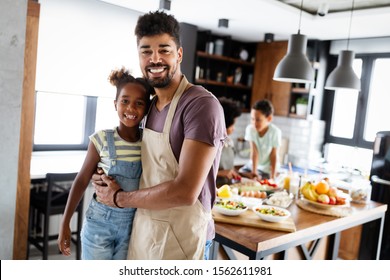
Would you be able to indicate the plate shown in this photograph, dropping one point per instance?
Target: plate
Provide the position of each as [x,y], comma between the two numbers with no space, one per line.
[269,216]
[229,212]
[325,206]
[251,201]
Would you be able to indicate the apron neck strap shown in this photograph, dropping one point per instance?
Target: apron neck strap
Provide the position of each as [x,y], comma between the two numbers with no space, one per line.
[172,107]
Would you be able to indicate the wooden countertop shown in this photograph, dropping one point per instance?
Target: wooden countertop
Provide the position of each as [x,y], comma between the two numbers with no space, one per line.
[309,227]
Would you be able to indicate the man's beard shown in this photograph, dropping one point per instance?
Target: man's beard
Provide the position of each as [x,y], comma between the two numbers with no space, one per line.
[161,82]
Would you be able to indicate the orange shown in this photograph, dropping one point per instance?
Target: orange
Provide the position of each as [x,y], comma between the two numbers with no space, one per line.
[322,187]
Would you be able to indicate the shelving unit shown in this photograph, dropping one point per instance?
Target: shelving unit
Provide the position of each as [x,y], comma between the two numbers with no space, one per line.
[222,71]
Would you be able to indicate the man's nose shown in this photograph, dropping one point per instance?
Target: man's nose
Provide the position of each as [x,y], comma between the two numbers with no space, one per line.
[155,58]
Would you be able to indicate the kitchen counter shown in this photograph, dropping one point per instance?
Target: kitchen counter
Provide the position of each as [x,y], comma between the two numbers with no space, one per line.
[260,243]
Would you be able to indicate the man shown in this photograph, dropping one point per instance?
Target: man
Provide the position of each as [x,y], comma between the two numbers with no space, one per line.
[181,145]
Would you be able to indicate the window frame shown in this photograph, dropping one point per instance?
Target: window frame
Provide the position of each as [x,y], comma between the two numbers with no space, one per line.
[361,111]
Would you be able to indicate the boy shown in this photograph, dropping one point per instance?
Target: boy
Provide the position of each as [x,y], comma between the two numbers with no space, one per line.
[265,140]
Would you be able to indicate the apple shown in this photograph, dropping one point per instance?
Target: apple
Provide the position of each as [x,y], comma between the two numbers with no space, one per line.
[323,198]
[332,200]
[332,192]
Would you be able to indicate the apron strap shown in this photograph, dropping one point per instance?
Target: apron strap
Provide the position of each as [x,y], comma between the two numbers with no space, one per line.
[172,107]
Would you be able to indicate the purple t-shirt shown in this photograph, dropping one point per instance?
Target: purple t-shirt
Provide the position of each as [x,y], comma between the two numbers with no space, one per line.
[198,116]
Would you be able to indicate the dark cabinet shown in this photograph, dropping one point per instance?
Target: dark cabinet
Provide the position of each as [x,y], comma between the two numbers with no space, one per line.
[225,67]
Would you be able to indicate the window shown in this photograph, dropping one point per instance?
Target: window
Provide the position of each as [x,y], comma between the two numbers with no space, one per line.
[63,121]
[75,57]
[354,117]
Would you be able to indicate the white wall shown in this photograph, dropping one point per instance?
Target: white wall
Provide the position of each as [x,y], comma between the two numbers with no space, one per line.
[12,44]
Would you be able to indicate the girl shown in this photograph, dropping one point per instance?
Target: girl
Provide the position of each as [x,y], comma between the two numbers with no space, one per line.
[106,230]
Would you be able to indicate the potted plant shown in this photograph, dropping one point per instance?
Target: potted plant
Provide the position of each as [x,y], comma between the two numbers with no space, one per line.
[301,105]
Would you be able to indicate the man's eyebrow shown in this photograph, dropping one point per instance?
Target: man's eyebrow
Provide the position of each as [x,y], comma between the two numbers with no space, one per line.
[160,46]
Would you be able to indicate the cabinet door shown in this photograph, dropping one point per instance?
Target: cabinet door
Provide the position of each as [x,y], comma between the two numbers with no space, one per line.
[268,56]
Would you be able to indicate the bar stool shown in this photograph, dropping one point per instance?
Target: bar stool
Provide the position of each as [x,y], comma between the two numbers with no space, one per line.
[47,202]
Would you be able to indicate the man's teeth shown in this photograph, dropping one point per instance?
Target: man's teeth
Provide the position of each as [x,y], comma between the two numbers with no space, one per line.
[156,70]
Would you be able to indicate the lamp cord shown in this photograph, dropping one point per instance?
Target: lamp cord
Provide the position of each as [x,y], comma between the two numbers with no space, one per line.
[350,24]
[300,18]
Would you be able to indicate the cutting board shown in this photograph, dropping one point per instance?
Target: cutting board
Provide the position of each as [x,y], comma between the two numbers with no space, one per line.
[248,218]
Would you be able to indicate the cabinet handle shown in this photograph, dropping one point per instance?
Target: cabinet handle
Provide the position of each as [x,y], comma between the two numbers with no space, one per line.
[378,180]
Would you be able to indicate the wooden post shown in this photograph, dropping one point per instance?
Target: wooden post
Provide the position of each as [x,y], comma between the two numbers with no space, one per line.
[26,132]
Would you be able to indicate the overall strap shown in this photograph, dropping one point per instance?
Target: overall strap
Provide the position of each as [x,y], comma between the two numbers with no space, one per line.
[111,144]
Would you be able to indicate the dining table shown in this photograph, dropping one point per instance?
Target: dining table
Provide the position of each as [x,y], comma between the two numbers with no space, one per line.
[260,243]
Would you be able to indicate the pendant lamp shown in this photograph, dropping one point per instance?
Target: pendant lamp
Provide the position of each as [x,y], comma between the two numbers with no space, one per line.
[343,76]
[295,67]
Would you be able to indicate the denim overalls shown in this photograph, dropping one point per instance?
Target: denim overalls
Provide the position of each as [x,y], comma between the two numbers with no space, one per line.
[106,230]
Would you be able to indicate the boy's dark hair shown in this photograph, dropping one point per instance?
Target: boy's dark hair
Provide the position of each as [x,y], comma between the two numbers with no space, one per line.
[157,23]
[264,106]
[121,77]
[231,110]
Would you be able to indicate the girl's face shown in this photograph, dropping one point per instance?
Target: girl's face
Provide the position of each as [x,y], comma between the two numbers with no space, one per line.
[259,120]
[131,104]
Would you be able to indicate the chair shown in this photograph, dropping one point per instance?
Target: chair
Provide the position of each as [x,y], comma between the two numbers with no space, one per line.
[47,201]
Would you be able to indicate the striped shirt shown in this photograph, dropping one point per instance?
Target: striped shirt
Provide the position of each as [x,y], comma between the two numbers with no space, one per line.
[125,151]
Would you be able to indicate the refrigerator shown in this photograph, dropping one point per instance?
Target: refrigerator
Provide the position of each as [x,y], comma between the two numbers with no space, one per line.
[380,182]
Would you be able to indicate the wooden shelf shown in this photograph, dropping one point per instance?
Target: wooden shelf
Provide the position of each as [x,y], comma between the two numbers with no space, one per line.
[295,116]
[300,90]
[224,58]
[221,84]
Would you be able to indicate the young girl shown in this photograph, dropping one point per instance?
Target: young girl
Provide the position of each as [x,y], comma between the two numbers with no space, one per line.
[106,230]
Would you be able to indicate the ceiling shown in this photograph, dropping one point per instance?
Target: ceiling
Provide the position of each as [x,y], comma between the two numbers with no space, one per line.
[249,20]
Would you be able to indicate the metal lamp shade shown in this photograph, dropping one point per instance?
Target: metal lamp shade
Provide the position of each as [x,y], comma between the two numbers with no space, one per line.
[343,76]
[295,67]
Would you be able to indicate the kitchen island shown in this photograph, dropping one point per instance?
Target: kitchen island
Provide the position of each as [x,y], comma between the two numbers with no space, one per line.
[258,243]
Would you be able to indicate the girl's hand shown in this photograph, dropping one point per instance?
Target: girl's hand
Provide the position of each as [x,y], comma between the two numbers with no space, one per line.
[64,239]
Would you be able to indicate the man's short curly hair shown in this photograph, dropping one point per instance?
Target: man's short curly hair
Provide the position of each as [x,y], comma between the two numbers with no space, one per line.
[157,23]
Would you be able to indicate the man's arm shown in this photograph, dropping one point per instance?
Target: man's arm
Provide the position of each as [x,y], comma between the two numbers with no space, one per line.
[196,159]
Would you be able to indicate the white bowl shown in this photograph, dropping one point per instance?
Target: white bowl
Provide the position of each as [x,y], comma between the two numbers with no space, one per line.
[251,201]
[229,212]
[271,217]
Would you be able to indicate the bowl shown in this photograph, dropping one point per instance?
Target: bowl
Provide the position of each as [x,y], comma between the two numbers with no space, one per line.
[251,201]
[230,207]
[271,214]
[280,199]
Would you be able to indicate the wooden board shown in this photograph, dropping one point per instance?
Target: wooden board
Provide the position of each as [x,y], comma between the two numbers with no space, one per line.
[250,219]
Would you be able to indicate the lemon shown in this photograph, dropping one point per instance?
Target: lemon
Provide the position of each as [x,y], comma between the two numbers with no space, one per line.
[224,191]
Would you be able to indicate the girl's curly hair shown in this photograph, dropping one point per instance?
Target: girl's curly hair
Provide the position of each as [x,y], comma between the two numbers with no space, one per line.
[120,77]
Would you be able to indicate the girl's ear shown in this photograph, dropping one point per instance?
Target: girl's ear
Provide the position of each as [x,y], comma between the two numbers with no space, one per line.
[115,105]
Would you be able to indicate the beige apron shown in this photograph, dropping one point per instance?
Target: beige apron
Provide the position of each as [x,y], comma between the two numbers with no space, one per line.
[173,234]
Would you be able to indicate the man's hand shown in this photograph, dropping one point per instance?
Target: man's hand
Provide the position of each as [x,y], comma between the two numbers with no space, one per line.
[97,178]
[105,192]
